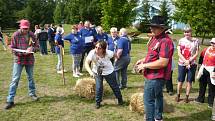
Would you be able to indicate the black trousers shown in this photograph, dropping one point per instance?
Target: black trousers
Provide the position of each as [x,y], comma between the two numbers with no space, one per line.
[169,85]
[86,51]
[203,82]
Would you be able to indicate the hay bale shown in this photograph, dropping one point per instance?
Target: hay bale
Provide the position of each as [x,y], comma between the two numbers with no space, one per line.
[136,103]
[85,88]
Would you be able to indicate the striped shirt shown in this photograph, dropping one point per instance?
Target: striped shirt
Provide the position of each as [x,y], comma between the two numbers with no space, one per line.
[20,41]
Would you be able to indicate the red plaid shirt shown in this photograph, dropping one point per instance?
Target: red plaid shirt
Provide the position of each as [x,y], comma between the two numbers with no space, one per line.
[20,41]
[159,46]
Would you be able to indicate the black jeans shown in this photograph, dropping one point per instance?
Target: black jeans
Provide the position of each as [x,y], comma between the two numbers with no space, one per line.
[203,82]
[169,85]
[86,51]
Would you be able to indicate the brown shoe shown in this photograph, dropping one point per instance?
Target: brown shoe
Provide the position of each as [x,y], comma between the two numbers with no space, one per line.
[177,99]
[186,99]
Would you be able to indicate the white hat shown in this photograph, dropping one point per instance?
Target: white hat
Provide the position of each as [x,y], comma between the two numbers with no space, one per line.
[213,40]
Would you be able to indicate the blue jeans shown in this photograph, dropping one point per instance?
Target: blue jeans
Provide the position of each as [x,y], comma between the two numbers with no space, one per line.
[153,99]
[17,70]
[120,68]
[111,80]
[59,63]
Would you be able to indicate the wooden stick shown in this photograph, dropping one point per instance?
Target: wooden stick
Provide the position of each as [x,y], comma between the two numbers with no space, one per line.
[62,53]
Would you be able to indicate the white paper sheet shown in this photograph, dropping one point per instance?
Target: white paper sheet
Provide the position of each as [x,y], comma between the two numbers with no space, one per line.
[88,39]
[23,51]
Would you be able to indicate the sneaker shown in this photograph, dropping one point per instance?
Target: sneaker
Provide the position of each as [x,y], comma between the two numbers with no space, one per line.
[75,75]
[170,93]
[64,70]
[213,118]
[59,72]
[9,105]
[197,101]
[34,98]
[80,74]
[98,105]
[210,105]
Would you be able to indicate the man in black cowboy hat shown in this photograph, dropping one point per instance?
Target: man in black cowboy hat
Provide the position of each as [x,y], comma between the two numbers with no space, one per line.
[156,68]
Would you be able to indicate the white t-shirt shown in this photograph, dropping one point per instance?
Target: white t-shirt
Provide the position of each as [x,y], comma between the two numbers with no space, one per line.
[188,49]
[104,63]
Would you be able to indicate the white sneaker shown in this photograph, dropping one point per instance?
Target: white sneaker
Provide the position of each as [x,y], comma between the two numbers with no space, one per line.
[59,72]
[75,75]
[80,74]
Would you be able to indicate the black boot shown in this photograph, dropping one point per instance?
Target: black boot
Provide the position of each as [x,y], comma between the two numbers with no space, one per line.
[120,101]
[98,105]
[9,105]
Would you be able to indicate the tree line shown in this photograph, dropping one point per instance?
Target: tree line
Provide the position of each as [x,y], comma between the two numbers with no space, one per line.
[119,13]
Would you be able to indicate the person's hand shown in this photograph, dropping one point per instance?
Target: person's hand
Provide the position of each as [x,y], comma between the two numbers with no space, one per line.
[187,62]
[92,74]
[140,67]
[213,75]
[60,46]
[29,49]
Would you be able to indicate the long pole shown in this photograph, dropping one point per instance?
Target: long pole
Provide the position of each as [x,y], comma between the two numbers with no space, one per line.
[62,54]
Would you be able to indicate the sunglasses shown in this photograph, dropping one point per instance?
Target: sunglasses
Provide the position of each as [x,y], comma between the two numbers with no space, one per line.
[213,43]
[98,47]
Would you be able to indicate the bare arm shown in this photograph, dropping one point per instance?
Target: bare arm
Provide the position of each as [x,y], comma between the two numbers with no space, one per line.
[119,53]
[87,66]
[160,63]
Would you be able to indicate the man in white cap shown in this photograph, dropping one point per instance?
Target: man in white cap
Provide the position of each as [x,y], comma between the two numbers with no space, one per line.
[23,44]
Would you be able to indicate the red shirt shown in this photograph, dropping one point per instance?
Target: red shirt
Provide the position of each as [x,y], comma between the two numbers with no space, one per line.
[20,41]
[159,46]
[209,56]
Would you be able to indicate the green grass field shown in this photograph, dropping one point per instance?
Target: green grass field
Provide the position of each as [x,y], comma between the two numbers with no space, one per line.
[60,103]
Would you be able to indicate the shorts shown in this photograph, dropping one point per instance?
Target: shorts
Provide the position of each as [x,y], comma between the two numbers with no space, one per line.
[183,71]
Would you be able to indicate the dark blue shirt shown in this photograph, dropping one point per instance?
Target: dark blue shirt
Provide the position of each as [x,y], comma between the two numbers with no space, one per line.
[87,33]
[124,43]
[100,37]
[58,38]
[76,43]
[112,42]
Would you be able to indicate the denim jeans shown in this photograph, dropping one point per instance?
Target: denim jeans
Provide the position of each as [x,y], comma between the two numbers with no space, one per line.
[59,63]
[111,80]
[17,70]
[153,99]
[120,68]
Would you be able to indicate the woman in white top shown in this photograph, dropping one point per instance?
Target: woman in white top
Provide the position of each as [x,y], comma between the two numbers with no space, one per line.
[102,68]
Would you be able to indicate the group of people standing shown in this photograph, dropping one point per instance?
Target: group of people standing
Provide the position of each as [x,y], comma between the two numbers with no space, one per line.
[109,56]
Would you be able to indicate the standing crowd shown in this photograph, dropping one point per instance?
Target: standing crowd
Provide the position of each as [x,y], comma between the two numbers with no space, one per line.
[108,57]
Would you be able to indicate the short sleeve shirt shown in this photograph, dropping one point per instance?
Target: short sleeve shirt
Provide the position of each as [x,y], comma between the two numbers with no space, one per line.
[188,48]
[209,57]
[159,46]
[105,63]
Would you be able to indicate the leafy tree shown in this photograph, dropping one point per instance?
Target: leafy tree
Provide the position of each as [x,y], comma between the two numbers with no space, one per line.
[200,15]
[118,13]
[144,14]
[165,12]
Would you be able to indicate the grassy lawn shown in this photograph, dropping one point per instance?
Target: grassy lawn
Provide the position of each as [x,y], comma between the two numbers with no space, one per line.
[60,103]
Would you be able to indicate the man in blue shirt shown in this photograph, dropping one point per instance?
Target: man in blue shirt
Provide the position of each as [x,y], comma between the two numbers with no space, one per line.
[122,59]
[87,34]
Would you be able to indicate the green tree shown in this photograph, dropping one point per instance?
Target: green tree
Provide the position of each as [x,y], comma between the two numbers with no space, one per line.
[118,13]
[144,14]
[200,15]
[165,11]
